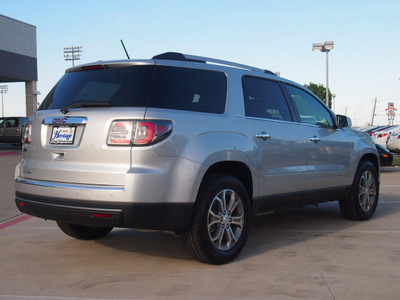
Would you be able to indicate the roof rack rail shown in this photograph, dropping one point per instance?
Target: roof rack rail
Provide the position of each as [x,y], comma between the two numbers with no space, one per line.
[200,59]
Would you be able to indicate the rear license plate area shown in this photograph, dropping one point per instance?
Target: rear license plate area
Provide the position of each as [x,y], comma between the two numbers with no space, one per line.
[64,135]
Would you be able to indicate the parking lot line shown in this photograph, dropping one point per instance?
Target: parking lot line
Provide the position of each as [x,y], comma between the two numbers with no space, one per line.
[8,153]
[15,221]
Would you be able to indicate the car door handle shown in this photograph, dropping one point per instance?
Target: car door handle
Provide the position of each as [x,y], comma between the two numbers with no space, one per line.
[315,139]
[263,135]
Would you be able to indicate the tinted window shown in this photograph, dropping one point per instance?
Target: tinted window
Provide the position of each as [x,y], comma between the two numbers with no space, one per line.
[12,123]
[119,87]
[167,87]
[311,110]
[189,89]
[1,123]
[264,99]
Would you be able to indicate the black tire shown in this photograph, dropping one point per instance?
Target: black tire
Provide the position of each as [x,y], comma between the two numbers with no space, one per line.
[218,231]
[364,195]
[83,232]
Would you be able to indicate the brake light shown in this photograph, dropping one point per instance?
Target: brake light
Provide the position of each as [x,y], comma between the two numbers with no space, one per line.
[144,133]
[137,133]
[93,68]
[120,133]
[382,135]
[28,133]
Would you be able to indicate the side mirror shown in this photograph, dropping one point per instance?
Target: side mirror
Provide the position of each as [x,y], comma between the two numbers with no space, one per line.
[343,121]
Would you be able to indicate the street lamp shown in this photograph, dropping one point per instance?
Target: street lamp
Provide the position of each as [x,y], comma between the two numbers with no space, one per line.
[72,53]
[3,90]
[326,47]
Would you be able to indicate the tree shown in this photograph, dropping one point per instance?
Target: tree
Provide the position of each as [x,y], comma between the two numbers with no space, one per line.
[320,91]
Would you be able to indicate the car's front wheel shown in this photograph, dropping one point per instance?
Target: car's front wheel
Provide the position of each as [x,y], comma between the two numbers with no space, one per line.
[83,232]
[363,199]
[221,221]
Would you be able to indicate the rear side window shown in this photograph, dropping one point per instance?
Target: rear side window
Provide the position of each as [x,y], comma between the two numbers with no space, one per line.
[265,99]
[141,86]
[189,89]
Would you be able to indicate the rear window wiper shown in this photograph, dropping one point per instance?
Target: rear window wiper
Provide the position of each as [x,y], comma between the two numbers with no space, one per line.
[85,104]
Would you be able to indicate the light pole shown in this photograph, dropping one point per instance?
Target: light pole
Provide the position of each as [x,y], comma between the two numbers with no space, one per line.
[326,47]
[72,53]
[3,90]
[333,103]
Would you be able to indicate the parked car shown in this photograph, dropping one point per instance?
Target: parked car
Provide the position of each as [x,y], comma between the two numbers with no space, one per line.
[12,129]
[393,142]
[385,156]
[371,132]
[381,136]
[189,144]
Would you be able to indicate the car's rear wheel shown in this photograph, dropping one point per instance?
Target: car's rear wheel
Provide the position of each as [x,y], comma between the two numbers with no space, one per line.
[83,232]
[363,199]
[221,221]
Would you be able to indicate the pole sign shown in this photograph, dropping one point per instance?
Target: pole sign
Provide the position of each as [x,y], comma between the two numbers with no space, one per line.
[391,112]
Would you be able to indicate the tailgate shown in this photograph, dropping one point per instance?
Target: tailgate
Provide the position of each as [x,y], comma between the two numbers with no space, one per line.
[73,148]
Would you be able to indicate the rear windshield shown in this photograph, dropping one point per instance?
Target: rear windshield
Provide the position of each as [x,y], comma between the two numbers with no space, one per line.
[142,86]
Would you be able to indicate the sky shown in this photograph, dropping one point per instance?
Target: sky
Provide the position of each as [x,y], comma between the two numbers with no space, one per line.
[275,35]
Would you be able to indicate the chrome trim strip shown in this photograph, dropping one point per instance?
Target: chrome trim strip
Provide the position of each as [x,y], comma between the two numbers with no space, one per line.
[65,120]
[273,120]
[109,188]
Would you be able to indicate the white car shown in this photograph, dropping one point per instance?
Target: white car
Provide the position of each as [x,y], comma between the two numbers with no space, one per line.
[381,136]
[393,143]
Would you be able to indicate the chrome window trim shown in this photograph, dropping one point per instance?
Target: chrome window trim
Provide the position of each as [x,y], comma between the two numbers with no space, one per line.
[273,120]
[108,188]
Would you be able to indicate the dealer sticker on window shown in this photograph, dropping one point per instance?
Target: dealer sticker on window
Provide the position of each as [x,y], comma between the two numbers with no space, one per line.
[63,135]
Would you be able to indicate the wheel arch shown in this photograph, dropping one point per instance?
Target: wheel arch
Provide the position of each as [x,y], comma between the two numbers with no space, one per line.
[235,168]
[373,159]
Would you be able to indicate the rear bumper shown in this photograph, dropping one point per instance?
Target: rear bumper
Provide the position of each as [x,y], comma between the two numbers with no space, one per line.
[159,216]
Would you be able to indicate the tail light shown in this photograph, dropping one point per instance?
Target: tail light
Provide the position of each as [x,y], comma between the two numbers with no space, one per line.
[137,133]
[382,135]
[28,133]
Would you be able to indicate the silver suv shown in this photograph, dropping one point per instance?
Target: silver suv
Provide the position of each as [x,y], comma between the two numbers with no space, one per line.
[187,144]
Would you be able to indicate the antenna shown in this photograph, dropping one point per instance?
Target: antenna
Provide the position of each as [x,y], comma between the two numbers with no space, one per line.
[126,52]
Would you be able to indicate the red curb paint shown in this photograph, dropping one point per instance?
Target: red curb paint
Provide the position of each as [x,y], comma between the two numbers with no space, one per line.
[9,153]
[15,221]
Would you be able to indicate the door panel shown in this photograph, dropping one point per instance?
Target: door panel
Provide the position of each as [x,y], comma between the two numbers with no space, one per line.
[328,157]
[280,143]
[11,130]
[329,148]
[281,158]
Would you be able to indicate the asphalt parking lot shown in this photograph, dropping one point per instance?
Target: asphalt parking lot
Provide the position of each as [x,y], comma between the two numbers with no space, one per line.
[306,253]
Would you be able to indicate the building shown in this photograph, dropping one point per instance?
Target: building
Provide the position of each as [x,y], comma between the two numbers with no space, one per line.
[18,57]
